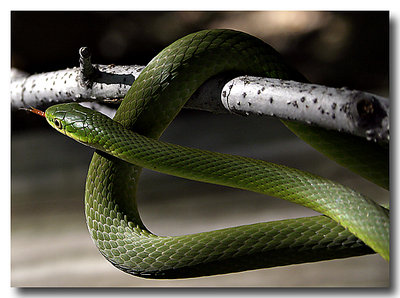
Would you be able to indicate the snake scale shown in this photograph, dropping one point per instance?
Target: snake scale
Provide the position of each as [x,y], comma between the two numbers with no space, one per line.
[352,224]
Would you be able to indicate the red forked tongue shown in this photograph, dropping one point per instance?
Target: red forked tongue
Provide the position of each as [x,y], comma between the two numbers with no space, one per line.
[36,111]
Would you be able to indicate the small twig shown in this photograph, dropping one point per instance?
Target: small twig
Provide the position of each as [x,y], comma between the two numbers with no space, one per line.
[88,71]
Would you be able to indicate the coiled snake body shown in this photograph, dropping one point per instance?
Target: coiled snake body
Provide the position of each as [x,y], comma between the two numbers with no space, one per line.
[151,104]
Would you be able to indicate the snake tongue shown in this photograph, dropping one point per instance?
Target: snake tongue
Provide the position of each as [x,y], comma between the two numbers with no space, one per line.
[36,111]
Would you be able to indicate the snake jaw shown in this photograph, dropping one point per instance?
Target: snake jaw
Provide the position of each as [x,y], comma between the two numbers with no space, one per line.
[53,121]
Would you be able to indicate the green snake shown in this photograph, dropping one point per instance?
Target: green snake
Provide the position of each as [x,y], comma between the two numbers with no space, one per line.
[352,224]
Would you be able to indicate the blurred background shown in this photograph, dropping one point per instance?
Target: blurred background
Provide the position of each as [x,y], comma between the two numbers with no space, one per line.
[50,242]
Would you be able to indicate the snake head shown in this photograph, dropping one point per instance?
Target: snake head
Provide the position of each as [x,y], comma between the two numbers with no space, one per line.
[69,119]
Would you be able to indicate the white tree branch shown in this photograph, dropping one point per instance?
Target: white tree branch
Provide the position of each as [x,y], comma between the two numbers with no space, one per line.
[355,112]
[85,83]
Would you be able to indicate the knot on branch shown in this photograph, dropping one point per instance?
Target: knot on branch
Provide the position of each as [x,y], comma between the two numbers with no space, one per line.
[373,117]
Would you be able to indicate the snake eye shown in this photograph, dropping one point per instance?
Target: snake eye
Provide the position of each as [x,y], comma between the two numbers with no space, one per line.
[57,123]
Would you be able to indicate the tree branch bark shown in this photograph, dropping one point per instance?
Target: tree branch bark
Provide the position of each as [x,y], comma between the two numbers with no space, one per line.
[358,113]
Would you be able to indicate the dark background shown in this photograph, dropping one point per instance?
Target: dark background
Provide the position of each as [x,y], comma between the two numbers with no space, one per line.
[46,41]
